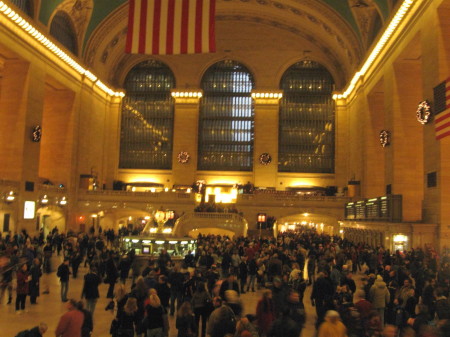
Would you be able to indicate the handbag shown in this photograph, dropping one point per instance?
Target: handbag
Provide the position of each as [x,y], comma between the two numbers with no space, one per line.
[110,306]
[114,327]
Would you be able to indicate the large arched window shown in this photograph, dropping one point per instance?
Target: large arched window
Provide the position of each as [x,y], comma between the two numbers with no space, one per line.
[147,117]
[62,30]
[25,6]
[226,118]
[306,120]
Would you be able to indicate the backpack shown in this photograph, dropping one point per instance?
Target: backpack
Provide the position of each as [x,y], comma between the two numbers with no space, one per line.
[24,333]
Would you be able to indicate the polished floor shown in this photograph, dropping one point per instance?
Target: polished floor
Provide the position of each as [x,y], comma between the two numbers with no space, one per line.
[50,308]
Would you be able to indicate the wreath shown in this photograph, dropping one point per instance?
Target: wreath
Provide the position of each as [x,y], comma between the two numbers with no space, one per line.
[265,159]
[385,138]
[423,112]
[183,157]
[36,134]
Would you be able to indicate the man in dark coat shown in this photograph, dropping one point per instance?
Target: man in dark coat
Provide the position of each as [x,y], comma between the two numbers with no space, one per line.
[229,283]
[90,289]
[63,273]
[322,296]
[111,274]
[35,273]
[243,274]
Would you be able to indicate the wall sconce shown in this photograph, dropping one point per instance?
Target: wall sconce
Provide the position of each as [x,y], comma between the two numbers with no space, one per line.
[44,200]
[10,197]
[262,217]
[63,201]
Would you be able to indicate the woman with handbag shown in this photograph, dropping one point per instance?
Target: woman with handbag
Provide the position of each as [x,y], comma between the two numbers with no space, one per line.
[185,322]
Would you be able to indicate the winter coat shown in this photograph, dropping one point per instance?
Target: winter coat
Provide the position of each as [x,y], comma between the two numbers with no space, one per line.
[379,294]
[22,282]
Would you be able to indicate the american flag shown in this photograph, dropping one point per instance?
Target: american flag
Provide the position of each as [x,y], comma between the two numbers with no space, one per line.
[442,109]
[167,27]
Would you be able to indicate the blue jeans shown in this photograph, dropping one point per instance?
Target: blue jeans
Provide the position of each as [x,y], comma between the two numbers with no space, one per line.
[64,290]
[90,305]
[158,332]
[251,282]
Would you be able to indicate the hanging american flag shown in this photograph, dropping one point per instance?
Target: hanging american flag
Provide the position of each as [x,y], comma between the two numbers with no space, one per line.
[167,27]
[442,109]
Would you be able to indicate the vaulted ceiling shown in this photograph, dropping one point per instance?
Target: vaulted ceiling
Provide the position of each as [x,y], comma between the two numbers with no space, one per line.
[337,33]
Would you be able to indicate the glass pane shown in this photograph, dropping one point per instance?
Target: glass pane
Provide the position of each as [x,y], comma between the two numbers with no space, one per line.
[306,120]
[62,30]
[226,118]
[25,5]
[147,117]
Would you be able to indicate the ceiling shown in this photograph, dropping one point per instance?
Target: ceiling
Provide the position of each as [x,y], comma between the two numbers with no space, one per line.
[343,8]
[337,32]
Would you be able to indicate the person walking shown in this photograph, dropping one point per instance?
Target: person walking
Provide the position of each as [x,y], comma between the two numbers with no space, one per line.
[379,296]
[202,304]
[70,323]
[185,322]
[332,326]
[265,312]
[90,289]
[112,274]
[88,324]
[35,274]
[157,324]
[23,279]
[63,273]
[127,319]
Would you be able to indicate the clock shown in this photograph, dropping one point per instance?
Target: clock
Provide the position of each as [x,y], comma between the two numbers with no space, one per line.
[36,134]
[265,159]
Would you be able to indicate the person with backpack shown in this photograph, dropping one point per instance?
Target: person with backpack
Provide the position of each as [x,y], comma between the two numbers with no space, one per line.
[37,331]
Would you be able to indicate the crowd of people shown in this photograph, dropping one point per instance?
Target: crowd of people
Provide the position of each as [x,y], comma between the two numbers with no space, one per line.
[357,290]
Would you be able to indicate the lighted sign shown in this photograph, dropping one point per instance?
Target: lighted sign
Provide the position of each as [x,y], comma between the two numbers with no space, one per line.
[29,210]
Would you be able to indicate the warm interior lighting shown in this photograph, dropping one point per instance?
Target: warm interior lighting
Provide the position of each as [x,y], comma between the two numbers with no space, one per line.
[10,197]
[270,95]
[183,94]
[44,200]
[27,28]
[400,238]
[63,201]
[385,38]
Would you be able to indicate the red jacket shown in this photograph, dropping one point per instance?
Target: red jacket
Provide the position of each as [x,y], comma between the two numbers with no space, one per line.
[22,282]
[70,324]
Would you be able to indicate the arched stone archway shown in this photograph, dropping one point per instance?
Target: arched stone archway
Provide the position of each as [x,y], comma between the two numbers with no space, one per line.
[210,223]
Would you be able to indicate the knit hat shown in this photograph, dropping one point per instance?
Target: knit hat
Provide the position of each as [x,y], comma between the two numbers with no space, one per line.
[379,278]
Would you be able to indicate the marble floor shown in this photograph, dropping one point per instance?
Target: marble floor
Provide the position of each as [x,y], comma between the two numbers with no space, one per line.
[50,308]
